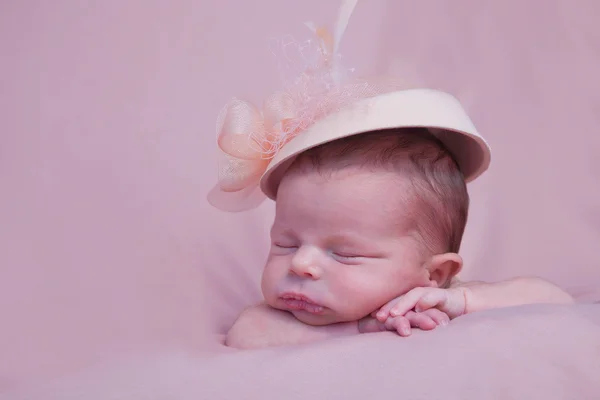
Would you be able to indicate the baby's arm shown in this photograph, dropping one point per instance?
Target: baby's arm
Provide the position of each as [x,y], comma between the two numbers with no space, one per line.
[481,296]
[263,326]
[464,298]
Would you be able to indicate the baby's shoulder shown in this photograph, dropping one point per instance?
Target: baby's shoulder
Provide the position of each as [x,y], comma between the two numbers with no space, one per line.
[258,314]
[263,326]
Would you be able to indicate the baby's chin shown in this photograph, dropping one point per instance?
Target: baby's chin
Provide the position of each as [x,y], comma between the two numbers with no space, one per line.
[311,319]
[327,318]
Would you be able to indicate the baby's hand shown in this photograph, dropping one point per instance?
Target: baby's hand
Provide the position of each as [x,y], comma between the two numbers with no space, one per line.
[402,324]
[423,308]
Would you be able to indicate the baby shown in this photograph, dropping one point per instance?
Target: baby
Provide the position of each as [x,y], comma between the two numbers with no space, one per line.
[369,181]
[366,238]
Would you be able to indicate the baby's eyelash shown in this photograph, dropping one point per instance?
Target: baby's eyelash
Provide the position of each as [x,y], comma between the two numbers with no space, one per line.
[345,255]
[349,258]
[284,246]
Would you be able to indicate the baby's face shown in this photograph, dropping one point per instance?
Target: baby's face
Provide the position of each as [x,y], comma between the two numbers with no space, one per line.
[339,249]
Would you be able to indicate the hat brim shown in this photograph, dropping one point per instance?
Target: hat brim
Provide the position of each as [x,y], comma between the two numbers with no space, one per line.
[437,111]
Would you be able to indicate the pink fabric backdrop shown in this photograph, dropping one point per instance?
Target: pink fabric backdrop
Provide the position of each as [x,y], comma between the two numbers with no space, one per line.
[107,110]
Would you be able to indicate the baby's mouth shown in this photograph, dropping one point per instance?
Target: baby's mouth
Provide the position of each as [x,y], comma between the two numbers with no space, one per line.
[298,302]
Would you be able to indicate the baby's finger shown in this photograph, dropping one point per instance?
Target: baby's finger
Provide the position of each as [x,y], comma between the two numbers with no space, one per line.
[384,312]
[399,324]
[421,321]
[439,317]
[406,302]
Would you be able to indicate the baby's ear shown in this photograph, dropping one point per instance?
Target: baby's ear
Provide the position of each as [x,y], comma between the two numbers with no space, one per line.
[443,267]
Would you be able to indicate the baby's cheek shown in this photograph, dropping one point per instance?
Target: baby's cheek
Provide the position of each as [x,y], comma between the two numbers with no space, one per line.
[275,270]
[267,282]
[358,297]
[374,290]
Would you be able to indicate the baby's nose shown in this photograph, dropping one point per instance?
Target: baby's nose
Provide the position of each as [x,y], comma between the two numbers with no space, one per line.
[309,272]
[305,264]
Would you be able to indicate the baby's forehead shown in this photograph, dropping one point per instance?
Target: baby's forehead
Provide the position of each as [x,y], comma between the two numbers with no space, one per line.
[351,191]
[350,165]
[352,175]
[347,175]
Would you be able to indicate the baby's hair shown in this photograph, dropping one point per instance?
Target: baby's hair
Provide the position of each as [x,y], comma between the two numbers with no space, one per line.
[438,199]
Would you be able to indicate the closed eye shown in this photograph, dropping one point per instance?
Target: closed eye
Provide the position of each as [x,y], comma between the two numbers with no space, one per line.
[284,246]
[279,249]
[347,258]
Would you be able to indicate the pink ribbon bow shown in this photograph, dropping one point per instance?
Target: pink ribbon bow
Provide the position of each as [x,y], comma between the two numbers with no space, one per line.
[249,137]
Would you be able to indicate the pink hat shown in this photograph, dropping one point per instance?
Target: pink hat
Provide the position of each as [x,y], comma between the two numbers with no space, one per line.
[257,146]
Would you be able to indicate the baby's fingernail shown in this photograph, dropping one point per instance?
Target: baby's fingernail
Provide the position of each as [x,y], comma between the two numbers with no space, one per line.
[444,323]
[394,312]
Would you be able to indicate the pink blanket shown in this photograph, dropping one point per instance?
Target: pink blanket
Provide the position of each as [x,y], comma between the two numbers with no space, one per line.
[545,352]
[117,278]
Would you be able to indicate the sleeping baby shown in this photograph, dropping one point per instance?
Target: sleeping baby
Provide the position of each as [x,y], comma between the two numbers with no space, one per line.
[366,238]
[369,182]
